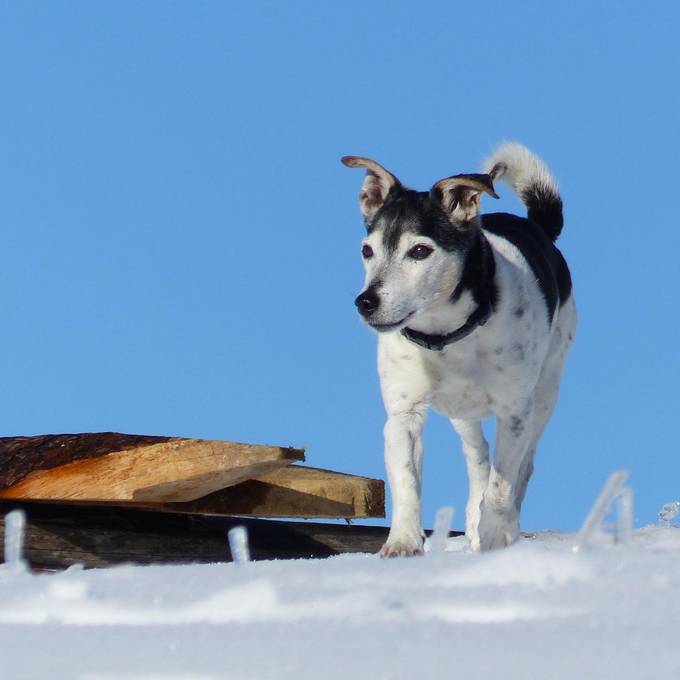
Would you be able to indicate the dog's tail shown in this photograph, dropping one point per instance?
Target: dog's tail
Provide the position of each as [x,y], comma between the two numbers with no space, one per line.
[531,180]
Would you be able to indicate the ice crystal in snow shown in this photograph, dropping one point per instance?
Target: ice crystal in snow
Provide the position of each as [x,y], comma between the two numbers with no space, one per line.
[440,533]
[624,525]
[593,529]
[669,511]
[15,526]
[238,544]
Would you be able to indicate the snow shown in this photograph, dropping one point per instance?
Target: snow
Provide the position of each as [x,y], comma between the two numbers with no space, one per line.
[535,610]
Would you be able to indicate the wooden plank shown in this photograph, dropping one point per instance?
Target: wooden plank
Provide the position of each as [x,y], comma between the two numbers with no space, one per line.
[118,467]
[294,491]
[62,534]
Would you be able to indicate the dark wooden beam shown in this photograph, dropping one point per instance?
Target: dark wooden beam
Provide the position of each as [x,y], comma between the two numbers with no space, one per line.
[59,535]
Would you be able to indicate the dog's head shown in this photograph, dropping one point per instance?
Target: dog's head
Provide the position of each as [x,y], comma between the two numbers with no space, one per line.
[416,242]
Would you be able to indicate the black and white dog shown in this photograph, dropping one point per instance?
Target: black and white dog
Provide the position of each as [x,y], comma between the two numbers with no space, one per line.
[475,318]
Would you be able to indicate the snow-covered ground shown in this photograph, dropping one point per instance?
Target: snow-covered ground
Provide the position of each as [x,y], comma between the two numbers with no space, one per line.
[537,610]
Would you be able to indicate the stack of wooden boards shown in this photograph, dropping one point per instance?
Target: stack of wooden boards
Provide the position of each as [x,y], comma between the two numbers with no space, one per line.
[107,497]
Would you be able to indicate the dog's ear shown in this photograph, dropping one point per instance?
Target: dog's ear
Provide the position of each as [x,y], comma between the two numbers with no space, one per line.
[461,195]
[377,184]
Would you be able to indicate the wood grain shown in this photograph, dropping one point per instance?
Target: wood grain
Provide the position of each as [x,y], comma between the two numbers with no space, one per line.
[112,466]
[294,491]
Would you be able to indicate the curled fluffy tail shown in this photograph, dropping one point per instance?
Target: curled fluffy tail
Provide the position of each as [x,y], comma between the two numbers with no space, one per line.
[531,180]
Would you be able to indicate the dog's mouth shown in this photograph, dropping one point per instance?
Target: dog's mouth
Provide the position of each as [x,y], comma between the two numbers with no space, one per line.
[386,327]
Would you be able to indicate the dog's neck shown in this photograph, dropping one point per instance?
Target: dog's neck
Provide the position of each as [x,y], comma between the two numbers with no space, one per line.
[469,306]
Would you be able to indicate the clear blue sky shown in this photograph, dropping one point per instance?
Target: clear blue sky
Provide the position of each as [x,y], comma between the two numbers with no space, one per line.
[180,244]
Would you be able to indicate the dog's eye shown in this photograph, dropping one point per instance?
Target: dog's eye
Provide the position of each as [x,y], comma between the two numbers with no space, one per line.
[367,251]
[419,252]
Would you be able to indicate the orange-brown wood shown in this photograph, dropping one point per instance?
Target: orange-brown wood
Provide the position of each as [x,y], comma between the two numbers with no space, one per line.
[294,491]
[130,468]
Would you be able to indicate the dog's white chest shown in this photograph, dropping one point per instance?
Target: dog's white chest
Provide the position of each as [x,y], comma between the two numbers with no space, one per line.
[455,384]
[459,387]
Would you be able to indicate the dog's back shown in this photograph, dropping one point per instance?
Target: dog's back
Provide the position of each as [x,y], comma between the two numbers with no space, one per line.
[541,254]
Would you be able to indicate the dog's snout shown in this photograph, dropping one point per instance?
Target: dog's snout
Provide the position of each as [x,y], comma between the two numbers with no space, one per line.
[367,302]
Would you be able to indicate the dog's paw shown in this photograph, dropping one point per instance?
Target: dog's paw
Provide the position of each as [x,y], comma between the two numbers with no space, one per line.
[399,549]
[472,535]
[495,531]
[495,539]
[405,545]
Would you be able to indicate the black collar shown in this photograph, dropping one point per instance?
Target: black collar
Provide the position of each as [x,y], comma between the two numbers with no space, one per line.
[437,342]
[479,279]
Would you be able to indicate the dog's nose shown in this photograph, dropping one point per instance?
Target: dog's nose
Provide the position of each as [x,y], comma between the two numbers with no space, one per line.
[367,302]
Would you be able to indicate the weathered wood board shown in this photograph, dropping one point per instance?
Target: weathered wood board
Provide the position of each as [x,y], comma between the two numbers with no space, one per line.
[59,535]
[294,491]
[110,466]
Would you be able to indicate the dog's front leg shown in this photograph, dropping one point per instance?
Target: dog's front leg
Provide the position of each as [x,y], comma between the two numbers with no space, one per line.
[499,517]
[404,461]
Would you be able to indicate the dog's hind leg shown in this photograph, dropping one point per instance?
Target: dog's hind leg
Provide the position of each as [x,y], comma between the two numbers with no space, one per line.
[499,516]
[525,472]
[547,390]
[476,451]
[546,397]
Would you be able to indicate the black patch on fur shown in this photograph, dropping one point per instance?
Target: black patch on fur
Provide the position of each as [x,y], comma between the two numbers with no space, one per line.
[544,207]
[479,273]
[417,212]
[545,260]
[516,426]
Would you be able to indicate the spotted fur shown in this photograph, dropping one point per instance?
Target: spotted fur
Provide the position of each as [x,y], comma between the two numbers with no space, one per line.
[431,261]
